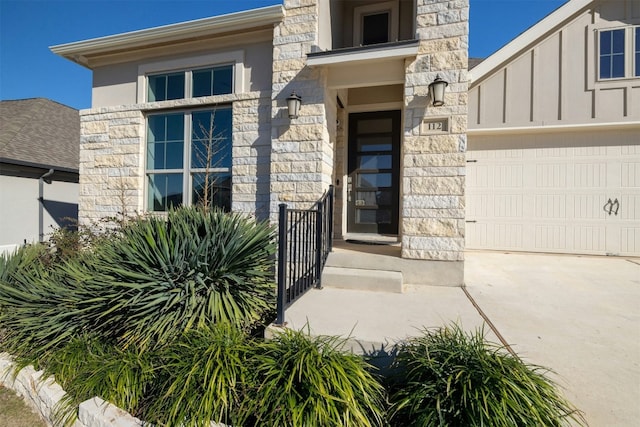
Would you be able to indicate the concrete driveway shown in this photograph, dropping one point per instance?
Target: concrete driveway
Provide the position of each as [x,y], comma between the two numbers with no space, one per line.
[577,315]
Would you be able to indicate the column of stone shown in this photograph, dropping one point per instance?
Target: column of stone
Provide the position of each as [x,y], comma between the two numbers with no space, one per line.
[434,162]
[298,176]
[251,156]
[111,164]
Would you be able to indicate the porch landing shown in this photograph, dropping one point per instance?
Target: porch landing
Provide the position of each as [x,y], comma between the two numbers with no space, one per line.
[376,298]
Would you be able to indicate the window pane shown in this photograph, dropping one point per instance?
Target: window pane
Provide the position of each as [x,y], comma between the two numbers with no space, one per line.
[165,86]
[373,216]
[605,42]
[164,191]
[372,198]
[211,138]
[376,143]
[165,141]
[175,86]
[373,180]
[605,67]
[375,126]
[219,185]
[617,66]
[374,162]
[618,41]
[156,88]
[202,82]
[223,80]
[375,28]
[213,81]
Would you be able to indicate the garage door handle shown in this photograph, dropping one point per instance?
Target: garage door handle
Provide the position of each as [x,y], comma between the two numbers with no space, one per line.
[608,207]
[617,207]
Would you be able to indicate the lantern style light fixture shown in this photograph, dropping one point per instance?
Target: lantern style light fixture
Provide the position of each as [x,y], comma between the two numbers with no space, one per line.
[293,105]
[436,90]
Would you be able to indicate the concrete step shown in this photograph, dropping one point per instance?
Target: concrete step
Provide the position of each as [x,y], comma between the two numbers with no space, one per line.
[362,279]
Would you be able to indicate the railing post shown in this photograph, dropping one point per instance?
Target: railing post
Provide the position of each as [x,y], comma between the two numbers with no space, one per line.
[282,263]
[330,217]
[319,239]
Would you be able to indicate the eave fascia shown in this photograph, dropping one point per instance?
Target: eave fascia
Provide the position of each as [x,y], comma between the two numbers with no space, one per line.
[79,51]
[519,130]
[527,38]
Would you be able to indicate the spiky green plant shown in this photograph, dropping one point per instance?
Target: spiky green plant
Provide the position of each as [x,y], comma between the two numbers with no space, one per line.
[164,277]
[310,381]
[32,295]
[202,378]
[447,377]
[152,281]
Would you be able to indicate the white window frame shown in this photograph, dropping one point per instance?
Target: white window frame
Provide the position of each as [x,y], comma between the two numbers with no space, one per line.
[360,11]
[629,53]
[186,170]
[235,58]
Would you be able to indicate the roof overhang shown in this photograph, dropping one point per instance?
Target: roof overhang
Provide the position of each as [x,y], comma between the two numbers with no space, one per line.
[527,38]
[80,52]
[361,54]
[364,66]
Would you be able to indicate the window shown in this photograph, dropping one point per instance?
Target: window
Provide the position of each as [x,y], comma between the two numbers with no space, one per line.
[619,53]
[189,158]
[612,61]
[375,23]
[375,28]
[199,82]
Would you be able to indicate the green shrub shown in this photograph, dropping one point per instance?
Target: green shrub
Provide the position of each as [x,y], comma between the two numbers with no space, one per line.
[145,285]
[202,378]
[309,381]
[86,366]
[163,277]
[449,378]
[33,302]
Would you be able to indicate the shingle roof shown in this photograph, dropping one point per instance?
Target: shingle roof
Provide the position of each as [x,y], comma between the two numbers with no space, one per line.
[41,132]
[473,62]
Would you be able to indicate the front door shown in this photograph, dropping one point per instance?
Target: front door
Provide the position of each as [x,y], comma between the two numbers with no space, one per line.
[373,174]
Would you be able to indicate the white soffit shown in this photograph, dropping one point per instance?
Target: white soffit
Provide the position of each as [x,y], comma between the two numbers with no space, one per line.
[530,36]
[77,51]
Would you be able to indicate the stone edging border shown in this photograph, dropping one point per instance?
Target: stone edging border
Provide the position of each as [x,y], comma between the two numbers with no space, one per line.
[43,394]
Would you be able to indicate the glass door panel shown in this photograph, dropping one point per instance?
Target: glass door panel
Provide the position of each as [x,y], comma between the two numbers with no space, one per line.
[373,181]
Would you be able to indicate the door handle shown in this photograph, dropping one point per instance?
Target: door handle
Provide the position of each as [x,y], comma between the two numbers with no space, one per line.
[609,208]
[615,203]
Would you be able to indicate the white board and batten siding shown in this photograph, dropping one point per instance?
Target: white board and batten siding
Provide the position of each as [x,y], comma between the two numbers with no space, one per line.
[553,153]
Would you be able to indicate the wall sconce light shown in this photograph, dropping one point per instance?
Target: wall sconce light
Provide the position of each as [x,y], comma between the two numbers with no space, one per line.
[436,90]
[293,104]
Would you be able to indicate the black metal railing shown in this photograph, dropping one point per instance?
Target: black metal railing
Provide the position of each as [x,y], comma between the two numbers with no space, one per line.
[304,242]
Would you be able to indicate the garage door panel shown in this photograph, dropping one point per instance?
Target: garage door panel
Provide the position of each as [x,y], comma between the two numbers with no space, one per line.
[527,194]
[630,240]
[485,236]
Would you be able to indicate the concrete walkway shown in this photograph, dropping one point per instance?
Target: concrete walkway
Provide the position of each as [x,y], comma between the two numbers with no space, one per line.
[579,316]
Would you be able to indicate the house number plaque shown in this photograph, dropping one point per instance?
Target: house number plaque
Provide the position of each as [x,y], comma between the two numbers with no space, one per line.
[435,125]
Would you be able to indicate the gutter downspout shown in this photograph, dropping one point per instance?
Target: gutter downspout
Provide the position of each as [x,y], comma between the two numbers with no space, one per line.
[44,178]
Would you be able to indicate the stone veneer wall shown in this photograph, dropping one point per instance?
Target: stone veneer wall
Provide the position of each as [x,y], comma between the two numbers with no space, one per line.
[434,165]
[301,152]
[112,155]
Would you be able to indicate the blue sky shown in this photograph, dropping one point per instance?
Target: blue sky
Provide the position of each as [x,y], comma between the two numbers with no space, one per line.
[28,27]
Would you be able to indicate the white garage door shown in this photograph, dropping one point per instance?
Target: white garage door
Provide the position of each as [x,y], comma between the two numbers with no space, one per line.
[566,192]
